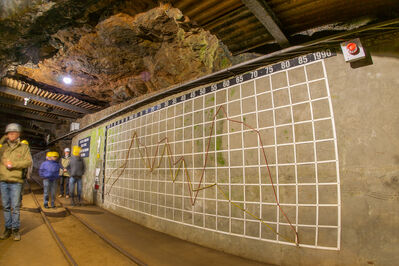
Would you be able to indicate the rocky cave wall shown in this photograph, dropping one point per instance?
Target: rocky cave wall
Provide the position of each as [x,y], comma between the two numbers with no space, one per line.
[126,54]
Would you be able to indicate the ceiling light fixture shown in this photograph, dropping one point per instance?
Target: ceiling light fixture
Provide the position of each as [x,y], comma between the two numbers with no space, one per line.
[67,80]
[26,100]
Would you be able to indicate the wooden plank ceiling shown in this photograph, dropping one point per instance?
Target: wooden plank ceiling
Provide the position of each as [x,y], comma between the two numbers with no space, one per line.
[241,30]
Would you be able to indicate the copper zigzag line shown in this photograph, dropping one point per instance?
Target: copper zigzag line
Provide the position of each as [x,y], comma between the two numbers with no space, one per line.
[182,162]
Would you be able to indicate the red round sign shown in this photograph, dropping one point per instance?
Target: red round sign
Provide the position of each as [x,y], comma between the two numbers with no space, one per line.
[352,48]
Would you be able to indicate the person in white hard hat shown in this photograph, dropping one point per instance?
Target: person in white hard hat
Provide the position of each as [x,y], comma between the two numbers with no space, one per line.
[64,174]
[14,158]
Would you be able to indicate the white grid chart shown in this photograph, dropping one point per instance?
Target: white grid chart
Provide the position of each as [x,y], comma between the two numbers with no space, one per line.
[292,112]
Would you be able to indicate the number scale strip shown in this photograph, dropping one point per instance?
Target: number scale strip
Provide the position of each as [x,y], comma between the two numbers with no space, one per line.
[283,65]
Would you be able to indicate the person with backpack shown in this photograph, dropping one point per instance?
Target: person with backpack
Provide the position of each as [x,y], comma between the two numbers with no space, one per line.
[49,171]
[76,170]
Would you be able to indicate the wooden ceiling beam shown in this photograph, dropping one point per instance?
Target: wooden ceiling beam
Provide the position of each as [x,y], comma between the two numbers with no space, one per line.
[31,131]
[38,108]
[32,136]
[30,116]
[266,16]
[34,97]
[25,127]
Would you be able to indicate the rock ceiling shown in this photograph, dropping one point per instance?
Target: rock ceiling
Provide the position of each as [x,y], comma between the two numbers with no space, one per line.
[115,50]
[124,55]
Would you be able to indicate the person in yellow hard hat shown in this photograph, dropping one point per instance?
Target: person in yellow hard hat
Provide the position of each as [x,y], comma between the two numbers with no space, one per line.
[49,171]
[76,170]
[14,157]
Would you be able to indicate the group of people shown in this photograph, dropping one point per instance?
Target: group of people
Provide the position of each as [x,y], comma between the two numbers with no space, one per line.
[69,170]
[16,159]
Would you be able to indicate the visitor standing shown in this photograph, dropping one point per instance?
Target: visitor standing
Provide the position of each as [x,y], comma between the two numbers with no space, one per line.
[76,170]
[14,158]
[49,171]
[64,174]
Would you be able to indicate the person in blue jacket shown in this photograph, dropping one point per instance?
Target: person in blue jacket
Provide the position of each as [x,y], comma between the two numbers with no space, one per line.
[49,171]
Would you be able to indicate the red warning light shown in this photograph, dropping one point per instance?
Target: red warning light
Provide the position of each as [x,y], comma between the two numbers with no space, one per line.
[352,48]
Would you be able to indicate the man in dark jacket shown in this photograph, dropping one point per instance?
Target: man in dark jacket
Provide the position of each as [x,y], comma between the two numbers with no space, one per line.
[76,170]
[14,158]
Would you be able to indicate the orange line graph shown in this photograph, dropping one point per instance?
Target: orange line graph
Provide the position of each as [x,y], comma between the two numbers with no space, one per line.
[181,162]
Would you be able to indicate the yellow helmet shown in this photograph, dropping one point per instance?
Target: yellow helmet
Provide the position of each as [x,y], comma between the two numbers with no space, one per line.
[52,154]
[1,145]
[76,150]
[25,142]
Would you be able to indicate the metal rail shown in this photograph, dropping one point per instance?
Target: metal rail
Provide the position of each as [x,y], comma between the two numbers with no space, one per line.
[64,250]
[112,244]
[62,247]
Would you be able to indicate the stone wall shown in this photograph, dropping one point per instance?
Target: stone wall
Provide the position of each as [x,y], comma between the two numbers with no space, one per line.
[347,217]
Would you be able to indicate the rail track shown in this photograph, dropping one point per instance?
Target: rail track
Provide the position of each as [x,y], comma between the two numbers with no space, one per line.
[63,246]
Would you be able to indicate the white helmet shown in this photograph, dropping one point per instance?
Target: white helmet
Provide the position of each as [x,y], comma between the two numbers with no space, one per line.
[67,150]
[13,127]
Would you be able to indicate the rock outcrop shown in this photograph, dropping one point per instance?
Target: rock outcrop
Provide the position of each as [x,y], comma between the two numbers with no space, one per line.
[27,26]
[125,56]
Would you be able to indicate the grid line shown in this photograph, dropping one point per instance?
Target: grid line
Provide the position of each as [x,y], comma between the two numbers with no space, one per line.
[211,207]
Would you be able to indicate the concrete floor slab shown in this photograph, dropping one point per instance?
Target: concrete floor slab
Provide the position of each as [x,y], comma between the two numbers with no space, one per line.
[152,247]
[36,247]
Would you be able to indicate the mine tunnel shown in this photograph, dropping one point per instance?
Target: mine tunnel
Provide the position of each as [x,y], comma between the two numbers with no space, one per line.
[237,132]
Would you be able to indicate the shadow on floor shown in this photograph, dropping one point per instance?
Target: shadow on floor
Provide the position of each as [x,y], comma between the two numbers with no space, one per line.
[81,211]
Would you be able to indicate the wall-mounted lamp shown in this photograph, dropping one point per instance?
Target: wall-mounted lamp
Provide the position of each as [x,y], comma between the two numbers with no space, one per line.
[26,100]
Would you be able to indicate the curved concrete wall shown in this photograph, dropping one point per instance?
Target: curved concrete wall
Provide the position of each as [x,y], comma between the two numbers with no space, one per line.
[347,217]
